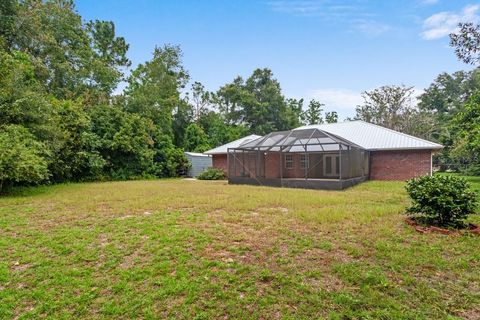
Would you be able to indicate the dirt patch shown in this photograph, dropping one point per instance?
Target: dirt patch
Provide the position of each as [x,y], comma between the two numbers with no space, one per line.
[130,260]
[434,229]
[20,267]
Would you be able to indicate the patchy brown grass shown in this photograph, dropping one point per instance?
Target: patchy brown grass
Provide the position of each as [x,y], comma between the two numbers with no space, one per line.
[185,249]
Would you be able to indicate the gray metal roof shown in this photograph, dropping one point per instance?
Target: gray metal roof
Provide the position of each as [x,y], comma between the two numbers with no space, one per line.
[374,137]
[234,144]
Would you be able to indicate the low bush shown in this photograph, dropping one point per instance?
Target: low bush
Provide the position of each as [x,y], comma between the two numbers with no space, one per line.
[212,174]
[441,200]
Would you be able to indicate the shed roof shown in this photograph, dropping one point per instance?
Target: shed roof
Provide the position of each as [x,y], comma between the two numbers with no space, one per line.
[234,144]
[196,154]
[374,137]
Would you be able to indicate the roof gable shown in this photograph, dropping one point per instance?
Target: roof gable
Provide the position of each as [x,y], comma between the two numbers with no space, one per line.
[374,137]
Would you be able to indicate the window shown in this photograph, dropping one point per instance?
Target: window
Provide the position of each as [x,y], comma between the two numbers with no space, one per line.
[304,161]
[288,161]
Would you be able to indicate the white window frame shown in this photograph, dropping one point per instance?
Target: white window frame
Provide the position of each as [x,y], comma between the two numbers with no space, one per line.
[304,163]
[289,160]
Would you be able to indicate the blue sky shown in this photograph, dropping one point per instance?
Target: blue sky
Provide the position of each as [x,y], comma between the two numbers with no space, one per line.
[328,50]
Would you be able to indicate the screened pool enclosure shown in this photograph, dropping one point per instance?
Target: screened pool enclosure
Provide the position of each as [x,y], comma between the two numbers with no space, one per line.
[303,158]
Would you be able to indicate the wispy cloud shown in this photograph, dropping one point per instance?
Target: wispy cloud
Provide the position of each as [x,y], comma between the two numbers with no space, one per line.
[429,2]
[344,101]
[371,28]
[338,99]
[442,24]
[296,7]
[352,15]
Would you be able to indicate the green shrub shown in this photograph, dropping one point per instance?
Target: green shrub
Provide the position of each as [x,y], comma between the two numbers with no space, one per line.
[212,174]
[441,200]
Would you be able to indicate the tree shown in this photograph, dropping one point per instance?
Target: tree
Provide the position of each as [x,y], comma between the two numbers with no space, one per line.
[182,117]
[331,117]
[22,157]
[125,142]
[73,146]
[313,114]
[71,59]
[465,146]
[8,12]
[228,101]
[195,139]
[153,89]
[200,99]
[257,103]
[109,55]
[217,131]
[393,107]
[447,95]
[467,42]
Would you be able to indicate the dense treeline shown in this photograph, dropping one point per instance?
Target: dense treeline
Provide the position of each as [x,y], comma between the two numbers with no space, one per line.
[61,118]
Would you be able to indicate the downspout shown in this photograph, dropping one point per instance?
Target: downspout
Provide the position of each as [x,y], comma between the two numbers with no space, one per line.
[281,167]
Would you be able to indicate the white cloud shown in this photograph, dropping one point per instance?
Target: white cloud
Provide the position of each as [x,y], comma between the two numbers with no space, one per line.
[429,2]
[371,28]
[442,24]
[296,7]
[353,15]
[342,100]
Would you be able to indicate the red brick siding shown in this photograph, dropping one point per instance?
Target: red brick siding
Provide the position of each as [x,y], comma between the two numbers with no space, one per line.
[399,165]
[272,165]
[220,161]
[295,171]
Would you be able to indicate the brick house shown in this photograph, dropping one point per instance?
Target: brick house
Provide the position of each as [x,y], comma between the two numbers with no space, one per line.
[327,156]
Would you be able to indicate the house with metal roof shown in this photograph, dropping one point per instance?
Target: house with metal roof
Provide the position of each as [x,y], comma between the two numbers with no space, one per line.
[328,156]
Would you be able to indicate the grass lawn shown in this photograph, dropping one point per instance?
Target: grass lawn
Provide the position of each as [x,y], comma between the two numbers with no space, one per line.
[195,249]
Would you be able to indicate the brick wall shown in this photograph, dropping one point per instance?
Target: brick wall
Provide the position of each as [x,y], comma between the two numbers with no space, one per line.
[220,161]
[399,165]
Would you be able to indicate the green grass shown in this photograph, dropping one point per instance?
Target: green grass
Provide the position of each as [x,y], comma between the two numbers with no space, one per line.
[203,250]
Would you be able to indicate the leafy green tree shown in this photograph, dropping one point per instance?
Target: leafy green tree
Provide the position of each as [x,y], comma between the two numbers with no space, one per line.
[195,139]
[72,59]
[228,100]
[264,106]
[154,87]
[109,55]
[467,42]
[125,142]
[465,142]
[313,114]
[22,100]
[182,117]
[201,99]
[73,146]
[153,92]
[393,107]
[22,157]
[217,131]
[257,103]
[331,117]
[8,11]
[447,95]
